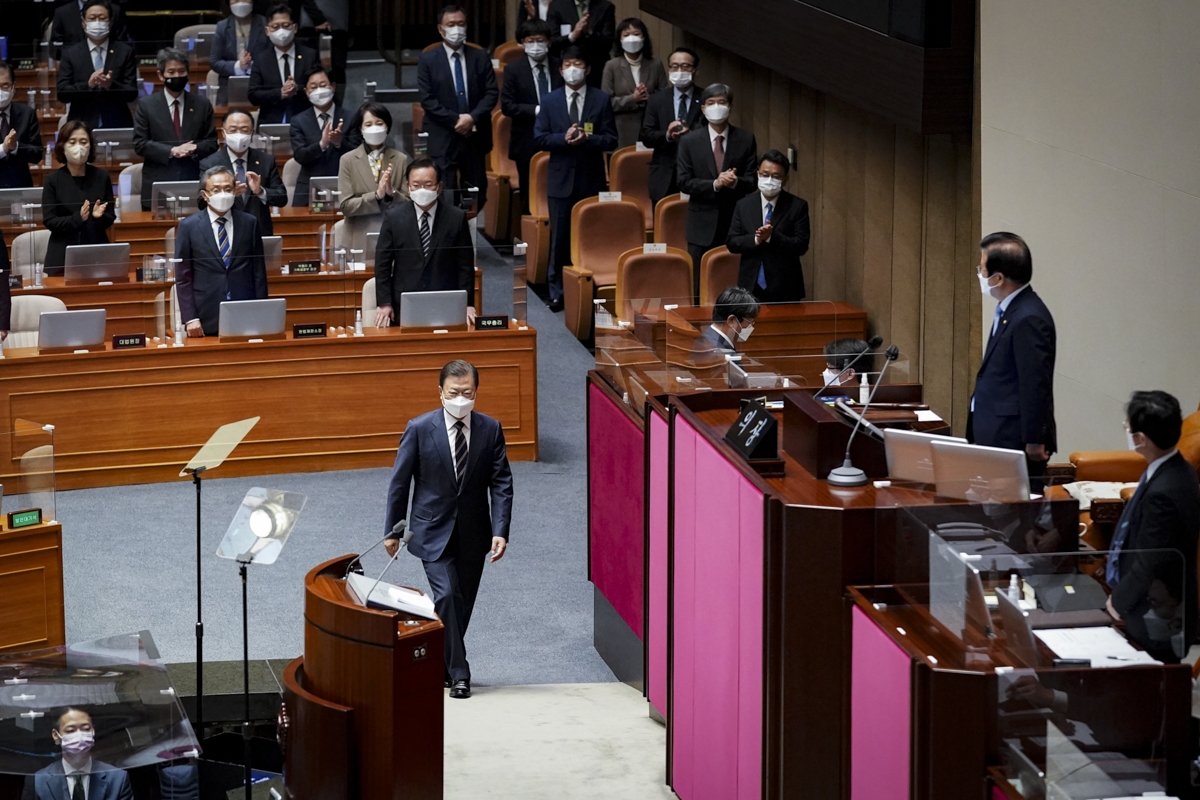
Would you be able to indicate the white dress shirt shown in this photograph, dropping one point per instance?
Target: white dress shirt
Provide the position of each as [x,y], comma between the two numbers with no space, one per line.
[461,51]
[86,769]
[102,47]
[543,9]
[677,95]
[432,211]
[291,54]
[450,432]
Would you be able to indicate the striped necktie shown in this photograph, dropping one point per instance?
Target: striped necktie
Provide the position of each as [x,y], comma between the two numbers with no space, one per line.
[460,452]
[223,241]
[425,233]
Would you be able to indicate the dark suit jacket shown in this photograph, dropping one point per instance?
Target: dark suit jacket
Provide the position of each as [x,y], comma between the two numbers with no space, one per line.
[780,256]
[596,41]
[519,100]
[99,108]
[201,279]
[439,505]
[266,84]
[575,170]
[274,190]
[306,148]
[154,136]
[68,24]
[223,58]
[709,340]
[14,167]
[661,111]
[1014,388]
[400,265]
[106,783]
[1164,516]
[710,211]
[439,99]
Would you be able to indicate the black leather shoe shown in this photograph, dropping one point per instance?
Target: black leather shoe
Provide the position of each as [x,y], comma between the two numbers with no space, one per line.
[447,681]
[461,690]
[556,305]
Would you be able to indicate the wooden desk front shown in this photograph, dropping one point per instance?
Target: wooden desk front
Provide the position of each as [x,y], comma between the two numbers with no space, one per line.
[31,587]
[137,416]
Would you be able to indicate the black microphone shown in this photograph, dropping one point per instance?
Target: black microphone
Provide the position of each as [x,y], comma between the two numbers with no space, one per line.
[872,345]
[848,474]
[403,542]
[394,533]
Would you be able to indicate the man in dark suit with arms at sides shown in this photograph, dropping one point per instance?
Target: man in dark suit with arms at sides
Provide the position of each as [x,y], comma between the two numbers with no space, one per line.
[770,230]
[590,25]
[424,246]
[77,774]
[20,136]
[458,93]
[257,184]
[459,461]
[98,76]
[1154,593]
[671,113]
[526,80]
[215,263]
[1013,403]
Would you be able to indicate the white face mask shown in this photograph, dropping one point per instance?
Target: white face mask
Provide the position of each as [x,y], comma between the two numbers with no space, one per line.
[983,285]
[632,44]
[96,30]
[681,80]
[5,99]
[77,742]
[573,75]
[320,97]
[769,186]
[455,36]
[221,202]
[76,153]
[830,376]
[241,10]
[237,142]
[745,332]
[458,407]
[282,37]
[423,197]
[374,135]
[716,113]
[536,50]
[1129,442]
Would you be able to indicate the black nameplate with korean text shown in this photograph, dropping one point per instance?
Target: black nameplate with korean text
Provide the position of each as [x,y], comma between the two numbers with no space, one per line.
[15,281]
[304,267]
[126,341]
[314,330]
[492,322]
[754,434]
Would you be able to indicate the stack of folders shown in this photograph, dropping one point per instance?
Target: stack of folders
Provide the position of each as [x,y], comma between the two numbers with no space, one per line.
[389,596]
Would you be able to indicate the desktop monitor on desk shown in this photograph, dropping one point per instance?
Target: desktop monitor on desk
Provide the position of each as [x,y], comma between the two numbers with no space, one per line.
[909,455]
[273,254]
[323,189]
[433,309]
[71,329]
[174,198]
[279,134]
[22,205]
[93,264]
[980,474]
[117,142]
[739,378]
[253,318]
[239,92]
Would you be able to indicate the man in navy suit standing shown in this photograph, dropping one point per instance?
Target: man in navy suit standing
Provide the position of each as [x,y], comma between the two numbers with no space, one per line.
[220,254]
[459,461]
[525,81]
[77,774]
[576,125]
[1013,403]
[458,93]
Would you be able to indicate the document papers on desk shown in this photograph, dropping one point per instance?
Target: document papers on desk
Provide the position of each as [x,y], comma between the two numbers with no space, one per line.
[1104,647]
[390,596]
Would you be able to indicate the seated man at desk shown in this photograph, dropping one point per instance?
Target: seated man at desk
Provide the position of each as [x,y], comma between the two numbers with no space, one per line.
[424,246]
[844,361]
[257,185]
[220,254]
[1163,514]
[77,774]
[98,76]
[732,321]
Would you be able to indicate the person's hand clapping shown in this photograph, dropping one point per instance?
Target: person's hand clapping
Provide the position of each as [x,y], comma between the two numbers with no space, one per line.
[254,183]
[385,184]
[288,89]
[580,27]
[98,210]
[10,141]
[85,210]
[727,179]
[675,130]
[641,94]
[763,233]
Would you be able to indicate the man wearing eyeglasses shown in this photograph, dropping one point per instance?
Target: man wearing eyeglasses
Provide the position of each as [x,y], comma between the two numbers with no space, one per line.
[670,113]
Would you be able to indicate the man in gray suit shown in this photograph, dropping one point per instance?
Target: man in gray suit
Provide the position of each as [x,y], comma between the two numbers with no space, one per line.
[76,775]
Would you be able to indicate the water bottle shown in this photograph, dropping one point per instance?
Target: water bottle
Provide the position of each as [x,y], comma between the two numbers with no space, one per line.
[49,155]
[358,331]
[179,334]
[864,390]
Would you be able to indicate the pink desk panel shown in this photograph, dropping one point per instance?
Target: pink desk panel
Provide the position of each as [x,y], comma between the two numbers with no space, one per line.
[880,714]
[656,635]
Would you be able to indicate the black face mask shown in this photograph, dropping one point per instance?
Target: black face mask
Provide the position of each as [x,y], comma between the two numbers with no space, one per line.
[176,85]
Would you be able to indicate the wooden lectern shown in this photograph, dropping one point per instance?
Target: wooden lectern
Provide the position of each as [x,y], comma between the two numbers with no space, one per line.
[362,713]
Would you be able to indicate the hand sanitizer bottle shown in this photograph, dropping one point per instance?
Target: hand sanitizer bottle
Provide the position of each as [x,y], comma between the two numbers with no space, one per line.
[864,390]
[1014,589]
[179,334]
[358,331]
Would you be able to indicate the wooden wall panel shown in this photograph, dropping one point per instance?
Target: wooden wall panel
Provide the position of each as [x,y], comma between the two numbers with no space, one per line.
[907,250]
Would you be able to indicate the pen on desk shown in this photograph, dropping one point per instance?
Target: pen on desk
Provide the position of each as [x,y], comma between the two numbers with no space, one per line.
[984,549]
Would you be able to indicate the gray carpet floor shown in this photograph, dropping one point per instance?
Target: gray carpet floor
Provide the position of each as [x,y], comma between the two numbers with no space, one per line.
[129,552]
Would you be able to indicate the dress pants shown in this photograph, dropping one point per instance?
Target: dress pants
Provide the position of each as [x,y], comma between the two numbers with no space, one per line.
[523,177]
[560,240]
[468,168]
[454,581]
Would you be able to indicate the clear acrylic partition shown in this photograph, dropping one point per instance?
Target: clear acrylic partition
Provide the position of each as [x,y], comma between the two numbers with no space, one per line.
[27,482]
[113,688]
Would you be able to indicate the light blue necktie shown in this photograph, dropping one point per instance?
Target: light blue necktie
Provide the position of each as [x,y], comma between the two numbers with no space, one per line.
[98,58]
[762,273]
[996,319]
[460,85]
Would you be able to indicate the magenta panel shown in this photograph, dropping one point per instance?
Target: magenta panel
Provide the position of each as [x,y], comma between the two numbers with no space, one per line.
[616,474]
[880,714]
[717,660]
[656,625]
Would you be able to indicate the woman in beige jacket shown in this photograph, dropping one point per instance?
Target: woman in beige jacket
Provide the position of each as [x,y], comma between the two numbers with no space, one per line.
[370,177]
[630,78]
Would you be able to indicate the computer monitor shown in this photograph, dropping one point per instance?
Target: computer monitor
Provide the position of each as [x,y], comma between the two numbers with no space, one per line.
[433,309]
[253,317]
[980,474]
[327,184]
[162,192]
[370,247]
[239,92]
[273,253]
[120,143]
[96,263]
[71,329]
[909,457]
[280,135]
[1021,641]
[739,378]
[22,204]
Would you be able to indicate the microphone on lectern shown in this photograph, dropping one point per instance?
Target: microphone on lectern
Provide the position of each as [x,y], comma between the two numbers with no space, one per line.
[848,474]
[394,533]
[403,543]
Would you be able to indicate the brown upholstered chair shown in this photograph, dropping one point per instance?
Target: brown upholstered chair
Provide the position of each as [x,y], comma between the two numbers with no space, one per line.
[670,221]
[496,216]
[718,271]
[642,275]
[629,174]
[508,52]
[535,226]
[600,233]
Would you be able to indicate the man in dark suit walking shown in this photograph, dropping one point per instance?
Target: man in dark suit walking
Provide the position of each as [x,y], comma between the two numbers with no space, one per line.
[98,76]
[1154,592]
[257,183]
[424,246]
[458,459]
[278,72]
[1013,402]
[526,81]
[321,134]
[671,113]
[215,263]
[173,129]
[590,25]
[458,93]
[576,126]
[716,169]
[77,774]
[20,136]
[770,230]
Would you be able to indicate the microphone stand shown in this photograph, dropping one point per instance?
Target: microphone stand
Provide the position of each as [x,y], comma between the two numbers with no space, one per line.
[848,474]
[374,586]
[199,727]
[395,533]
